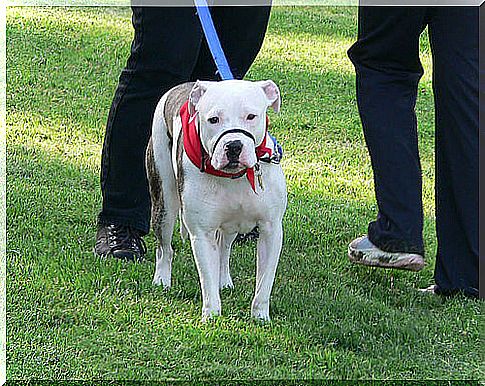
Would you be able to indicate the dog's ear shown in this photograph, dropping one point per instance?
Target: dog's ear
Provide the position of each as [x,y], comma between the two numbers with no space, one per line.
[272,93]
[195,94]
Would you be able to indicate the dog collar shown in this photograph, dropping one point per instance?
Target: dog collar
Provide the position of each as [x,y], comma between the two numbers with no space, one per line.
[199,157]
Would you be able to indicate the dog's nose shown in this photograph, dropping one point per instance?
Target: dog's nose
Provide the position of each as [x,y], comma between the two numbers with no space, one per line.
[233,149]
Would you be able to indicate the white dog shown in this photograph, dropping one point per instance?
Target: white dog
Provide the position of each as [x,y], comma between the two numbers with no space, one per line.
[211,158]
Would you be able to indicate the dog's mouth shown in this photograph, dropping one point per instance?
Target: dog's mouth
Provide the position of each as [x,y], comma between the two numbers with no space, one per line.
[232,165]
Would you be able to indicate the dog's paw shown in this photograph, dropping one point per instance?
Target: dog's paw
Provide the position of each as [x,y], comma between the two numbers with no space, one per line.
[262,317]
[226,282]
[159,280]
[260,313]
[208,315]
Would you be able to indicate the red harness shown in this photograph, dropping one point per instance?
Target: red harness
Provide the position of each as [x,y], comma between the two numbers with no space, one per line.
[199,157]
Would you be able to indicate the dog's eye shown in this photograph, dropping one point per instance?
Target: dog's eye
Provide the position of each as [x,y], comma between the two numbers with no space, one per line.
[250,117]
[213,120]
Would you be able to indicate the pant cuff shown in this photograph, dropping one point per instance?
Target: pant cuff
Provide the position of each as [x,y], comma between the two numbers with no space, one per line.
[142,226]
[393,245]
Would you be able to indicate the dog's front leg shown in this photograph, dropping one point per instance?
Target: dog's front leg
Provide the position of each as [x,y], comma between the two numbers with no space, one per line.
[269,249]
[207,260]
[225,242]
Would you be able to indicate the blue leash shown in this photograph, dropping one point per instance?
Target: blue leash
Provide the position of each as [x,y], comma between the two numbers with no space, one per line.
[213,39]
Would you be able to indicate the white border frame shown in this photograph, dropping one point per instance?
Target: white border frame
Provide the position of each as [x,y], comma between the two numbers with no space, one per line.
[3,195]
[274,3]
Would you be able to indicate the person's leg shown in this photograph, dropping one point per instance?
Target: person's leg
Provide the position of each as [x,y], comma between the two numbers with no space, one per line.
[158,61]
[454,43]
[163,54]
[386,59]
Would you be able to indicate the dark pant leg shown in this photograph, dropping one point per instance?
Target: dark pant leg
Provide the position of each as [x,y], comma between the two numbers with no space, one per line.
[386,59]
[163,53]
[454,43]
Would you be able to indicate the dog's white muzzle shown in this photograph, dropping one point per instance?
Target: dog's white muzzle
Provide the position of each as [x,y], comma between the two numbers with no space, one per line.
[234,150]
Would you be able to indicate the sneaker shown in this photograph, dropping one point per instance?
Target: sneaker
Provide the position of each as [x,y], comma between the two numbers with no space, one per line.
[434,289]
[362,251]
[122,242]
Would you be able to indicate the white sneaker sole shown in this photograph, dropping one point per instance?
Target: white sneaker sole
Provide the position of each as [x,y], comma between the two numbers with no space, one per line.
[378,258]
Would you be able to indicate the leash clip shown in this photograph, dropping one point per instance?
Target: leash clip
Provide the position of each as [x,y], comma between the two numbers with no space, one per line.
[259,175]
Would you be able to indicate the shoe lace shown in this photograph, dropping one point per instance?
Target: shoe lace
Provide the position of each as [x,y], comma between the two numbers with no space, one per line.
[126,237]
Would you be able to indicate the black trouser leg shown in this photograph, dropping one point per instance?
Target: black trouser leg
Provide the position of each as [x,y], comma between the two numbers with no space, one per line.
[168,49]
[386,59]
[454,43]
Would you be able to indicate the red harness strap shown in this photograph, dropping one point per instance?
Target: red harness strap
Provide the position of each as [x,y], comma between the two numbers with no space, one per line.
[199,157]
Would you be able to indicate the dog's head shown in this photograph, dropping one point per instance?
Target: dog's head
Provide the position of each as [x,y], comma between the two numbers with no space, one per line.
[232,119]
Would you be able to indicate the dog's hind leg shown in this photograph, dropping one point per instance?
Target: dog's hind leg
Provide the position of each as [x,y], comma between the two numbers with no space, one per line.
[163,222]
[165,202]
[224,242]
[164,254]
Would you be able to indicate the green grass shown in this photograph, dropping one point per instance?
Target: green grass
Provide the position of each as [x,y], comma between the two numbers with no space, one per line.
[74,316]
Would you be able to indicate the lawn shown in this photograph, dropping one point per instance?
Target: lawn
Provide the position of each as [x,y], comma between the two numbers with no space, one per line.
[71,315]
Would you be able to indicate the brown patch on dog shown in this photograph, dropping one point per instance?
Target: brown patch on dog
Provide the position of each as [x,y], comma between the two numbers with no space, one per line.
[156,192]
[173,103]
[180,170]
[177,97]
